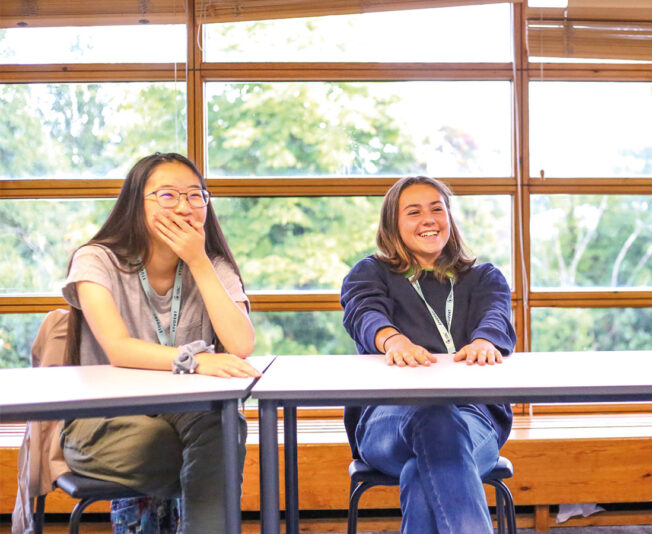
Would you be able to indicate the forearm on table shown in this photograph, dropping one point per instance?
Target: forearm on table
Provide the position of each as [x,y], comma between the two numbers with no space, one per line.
[139,354]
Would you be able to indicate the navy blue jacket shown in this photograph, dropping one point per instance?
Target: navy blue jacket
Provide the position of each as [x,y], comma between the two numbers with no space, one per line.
[373,297]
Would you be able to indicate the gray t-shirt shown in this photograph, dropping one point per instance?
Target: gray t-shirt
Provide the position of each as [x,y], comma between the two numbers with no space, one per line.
[95,263]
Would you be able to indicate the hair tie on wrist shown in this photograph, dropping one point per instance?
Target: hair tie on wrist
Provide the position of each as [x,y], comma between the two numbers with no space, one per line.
[388,338]
[185,362]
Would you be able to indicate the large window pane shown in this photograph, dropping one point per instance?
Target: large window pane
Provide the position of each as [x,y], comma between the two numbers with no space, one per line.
[95,130]
[575,329]
[472,33]
[17,333]
[281,333]
[94,44]
[279,243]
[486,224]
[591,241]
[312,243]
[591,129]
[359,129]
[38,237]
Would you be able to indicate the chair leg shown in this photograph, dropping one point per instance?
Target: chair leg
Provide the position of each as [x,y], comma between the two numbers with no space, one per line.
[75,516]
[352,518]
[508,505]
[354,499]
[39,514]
[500,509]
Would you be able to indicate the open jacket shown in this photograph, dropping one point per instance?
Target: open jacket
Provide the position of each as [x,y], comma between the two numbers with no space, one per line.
[40,459]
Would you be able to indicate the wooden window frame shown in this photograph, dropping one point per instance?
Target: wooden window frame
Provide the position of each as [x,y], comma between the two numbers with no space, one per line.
[195,73]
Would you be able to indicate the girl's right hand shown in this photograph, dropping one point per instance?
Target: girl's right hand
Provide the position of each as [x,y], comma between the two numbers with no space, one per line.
[224,365]
[401,351]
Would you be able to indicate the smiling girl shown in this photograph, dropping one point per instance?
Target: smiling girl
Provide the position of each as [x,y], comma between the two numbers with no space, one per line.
[420,295]
[157,288]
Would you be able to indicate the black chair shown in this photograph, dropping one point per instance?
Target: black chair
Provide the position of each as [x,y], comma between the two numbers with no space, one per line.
[364,477]
[88,490]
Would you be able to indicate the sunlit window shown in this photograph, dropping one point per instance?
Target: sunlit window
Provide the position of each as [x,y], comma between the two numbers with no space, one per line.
[94,44]
[282,333]
[591,129]
[93,130]
[38,237]
[309,243]
[359,129]
[579,329]
[591,241]
[17,333]
[470,33]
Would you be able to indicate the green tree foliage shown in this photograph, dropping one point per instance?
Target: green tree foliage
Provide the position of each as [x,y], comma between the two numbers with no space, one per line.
[285,129]
[17,333]
[158,124]
[555,329]
[23,145]
[298,243]
[78,126]
[301,333]
[591,241]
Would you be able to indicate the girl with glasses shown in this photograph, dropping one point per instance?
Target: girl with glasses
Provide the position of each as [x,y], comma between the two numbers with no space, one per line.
[158,288]
[421,295]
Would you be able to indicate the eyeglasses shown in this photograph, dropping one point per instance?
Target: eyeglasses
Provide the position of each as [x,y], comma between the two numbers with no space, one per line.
[169,198]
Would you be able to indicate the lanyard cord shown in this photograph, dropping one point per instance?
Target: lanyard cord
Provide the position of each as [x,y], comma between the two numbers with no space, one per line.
[176,305]
[444,331]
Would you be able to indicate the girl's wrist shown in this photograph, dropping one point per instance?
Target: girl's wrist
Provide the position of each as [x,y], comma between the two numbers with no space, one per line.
[201,261]
[391,336]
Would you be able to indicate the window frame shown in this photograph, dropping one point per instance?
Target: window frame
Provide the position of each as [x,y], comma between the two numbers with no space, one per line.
[195,73]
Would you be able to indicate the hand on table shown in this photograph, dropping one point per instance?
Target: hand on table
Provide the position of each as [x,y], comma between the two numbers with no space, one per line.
[401,351]
[480,351]
[224,365]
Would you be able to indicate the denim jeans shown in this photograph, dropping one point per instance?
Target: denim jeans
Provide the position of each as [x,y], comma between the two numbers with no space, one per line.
[439,454]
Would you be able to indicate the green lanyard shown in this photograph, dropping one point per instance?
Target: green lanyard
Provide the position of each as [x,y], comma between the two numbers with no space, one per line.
[444,332]
[176,305]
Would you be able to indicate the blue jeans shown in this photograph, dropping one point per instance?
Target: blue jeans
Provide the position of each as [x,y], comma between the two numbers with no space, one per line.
[439,454]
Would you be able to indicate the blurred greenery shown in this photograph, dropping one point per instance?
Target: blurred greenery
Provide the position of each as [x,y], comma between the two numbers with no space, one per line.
[301,333]
[281,129]
[293,243]
[17,332]
[591,241]
[571,329]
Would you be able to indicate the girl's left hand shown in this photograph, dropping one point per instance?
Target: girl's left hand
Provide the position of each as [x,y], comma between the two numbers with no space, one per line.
[185,237]
[481,351]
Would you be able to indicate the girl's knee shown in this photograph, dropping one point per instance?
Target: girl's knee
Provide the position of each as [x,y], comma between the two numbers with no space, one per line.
[440,429]
[442,420]
[144,445]
[137,451]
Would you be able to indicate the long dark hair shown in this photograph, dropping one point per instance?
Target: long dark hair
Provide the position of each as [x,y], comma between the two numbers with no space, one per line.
[453,259]
[125,233]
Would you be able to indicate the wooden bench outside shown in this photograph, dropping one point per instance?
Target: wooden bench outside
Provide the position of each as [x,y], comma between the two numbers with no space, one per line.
[557,459]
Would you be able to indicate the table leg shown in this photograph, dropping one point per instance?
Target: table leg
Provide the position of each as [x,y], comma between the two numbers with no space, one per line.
[232,484]
[291,470]
[269,481]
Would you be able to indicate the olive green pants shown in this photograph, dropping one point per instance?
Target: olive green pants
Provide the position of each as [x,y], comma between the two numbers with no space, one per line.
[162,456]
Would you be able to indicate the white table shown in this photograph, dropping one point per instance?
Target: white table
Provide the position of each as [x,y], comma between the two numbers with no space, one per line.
[357,380]
[103,390]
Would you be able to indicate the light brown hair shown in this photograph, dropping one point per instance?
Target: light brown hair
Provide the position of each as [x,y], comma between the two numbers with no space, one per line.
[454,258]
